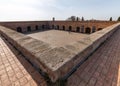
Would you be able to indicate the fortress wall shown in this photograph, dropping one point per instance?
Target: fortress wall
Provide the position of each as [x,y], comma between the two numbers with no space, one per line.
[57,62]
[23,25]
[48,24]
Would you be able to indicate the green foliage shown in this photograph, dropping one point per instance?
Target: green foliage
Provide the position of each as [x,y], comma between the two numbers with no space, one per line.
[53,19]
[73,18]
[77,19]
[82,18]
[118,18]
[110,18]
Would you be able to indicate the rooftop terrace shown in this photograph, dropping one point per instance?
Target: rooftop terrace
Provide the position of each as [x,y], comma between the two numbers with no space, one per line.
[101,68]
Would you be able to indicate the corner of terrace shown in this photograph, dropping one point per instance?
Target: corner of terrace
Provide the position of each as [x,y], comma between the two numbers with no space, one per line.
[89,61]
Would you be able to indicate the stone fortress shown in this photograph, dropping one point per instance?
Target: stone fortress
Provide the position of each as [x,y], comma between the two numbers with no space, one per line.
[76,26]
[57,63]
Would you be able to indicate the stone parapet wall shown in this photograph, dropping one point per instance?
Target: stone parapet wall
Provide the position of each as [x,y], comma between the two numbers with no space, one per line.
[57,62]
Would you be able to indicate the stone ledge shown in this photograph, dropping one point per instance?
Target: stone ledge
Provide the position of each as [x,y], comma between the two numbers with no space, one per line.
[57,61]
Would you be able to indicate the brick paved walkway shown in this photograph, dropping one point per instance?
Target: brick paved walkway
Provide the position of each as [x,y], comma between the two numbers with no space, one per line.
[15,70]
[102,68]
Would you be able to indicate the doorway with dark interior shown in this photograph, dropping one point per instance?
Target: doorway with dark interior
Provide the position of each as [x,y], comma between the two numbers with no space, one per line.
[28,28]
[63,27]
[88,30]
[36,27]
[78,29]
[19,29]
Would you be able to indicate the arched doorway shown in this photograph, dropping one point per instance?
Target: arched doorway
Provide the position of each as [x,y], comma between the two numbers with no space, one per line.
[28,28]
[63,27]
[70,28]
[36,27]
[57,27]
[53,26]
[78,29]
[19,29]
[88,30]
[43,26]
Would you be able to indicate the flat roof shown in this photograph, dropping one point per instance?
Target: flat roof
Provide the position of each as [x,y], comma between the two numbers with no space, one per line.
[102,67]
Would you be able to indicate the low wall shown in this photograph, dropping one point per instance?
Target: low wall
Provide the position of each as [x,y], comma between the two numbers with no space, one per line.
[57,62]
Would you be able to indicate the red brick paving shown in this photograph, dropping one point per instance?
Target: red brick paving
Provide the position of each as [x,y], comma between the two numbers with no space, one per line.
[15,70]
[102,68]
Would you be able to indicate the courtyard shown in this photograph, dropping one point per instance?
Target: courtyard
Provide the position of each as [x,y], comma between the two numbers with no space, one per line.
[57,38]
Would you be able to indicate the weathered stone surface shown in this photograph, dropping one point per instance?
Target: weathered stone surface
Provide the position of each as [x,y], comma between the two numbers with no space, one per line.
[57,61]
[57,38]
[102,68]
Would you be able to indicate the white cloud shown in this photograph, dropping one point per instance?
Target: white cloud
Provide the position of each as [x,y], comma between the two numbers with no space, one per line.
[24,9]
[61,9]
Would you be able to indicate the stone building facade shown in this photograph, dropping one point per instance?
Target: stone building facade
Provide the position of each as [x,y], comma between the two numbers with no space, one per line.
[75,26]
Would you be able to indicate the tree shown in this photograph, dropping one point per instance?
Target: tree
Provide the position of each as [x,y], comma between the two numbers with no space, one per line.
[73,18]
[53,18]
[110,18]
[77,19]
[82,18]
[118,18]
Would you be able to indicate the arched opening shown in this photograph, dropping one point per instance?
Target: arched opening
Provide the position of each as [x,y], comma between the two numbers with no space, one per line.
[78,29]
[70,28]
[57,27]
[88,30]
[36,27]
[53,26]
[63,27]
[28,28]
[19,29]
[93,29]
[43,26]
[82,29]
[100,29]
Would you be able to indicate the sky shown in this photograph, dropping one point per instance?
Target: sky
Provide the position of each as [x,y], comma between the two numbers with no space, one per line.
[35,10]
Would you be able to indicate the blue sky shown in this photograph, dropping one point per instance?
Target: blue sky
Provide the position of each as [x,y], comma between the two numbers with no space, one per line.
[11,10]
